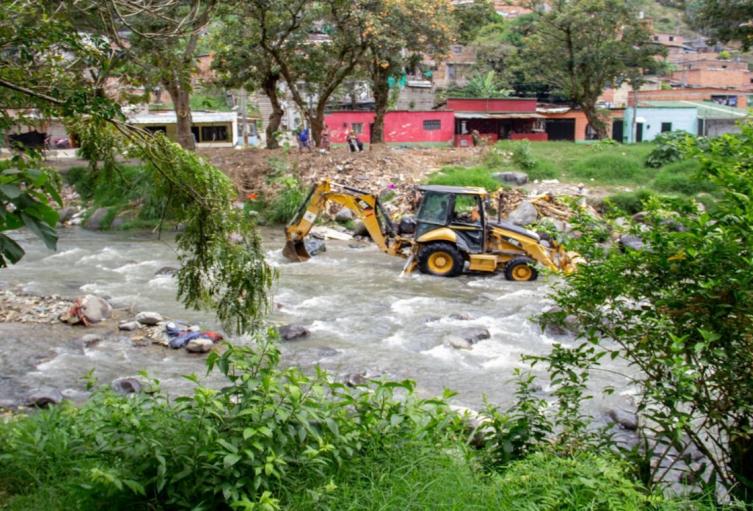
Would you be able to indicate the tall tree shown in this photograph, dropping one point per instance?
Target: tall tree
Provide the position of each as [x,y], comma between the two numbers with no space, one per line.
[396,30]
[471,17]
[724,20]
[158,44]
[240,64]
[579,47]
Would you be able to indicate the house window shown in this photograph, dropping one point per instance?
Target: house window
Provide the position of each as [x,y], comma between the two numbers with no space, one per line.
[666,126]
[671,38]
[214,134]
[357,127]
[156,129]
[432,125]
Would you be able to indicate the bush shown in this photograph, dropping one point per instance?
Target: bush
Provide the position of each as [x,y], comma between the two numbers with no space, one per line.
[543,169]
[668,147]
[465,176]
[610,168]
[522,156]
[238,447]
[683,177]
[283,205]
[628,203]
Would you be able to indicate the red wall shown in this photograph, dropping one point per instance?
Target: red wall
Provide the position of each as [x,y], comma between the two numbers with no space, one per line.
[491,105]
[400,126]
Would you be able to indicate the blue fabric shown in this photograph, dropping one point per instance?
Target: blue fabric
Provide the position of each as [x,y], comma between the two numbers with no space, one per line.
[182,340]
[304,136]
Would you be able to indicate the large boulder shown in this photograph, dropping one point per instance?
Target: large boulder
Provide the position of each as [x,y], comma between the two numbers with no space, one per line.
[359,229]
[123,218]
[292,332]
[474,335]
[126,385]
[149,318]
[98,220]
[516,178]
[524,214]
[44,397]
[315,246]
[90,340]
[94,309]
[344,215]
[167,270]
[626,420]
[200,345]
[66,214]
[129,326]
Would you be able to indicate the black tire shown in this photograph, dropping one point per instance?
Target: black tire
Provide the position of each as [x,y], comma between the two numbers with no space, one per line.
[425,254]
[514,267]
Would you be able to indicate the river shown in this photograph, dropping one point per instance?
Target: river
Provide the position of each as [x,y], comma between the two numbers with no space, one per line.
[362,316]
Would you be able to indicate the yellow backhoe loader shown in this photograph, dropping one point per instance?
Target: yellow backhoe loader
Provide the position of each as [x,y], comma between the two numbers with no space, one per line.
[452,235]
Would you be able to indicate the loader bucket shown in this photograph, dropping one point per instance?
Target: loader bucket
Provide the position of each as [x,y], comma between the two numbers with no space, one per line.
[295,250]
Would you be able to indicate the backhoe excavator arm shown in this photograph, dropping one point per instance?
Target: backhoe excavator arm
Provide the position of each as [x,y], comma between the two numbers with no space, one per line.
[364,205]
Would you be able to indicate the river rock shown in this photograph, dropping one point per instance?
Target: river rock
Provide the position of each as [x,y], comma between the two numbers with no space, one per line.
[518,178]
[461,316]
[42,398]
[458,343]
[123,218]
[65,214]
[126,385]
[640,217]
[407,225]
[626,420]
[631,241]
[474,335]
[167,270]
[95,309]
[129,326]
[90,340]
[293,331]
[359,229]
[8,404]
[149,318]
[524,214]
[77,396]
[356,379]
[200,345]
[315,246]
[344,215]
[96,222]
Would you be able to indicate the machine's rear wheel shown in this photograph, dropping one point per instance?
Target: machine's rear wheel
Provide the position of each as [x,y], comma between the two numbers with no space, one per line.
[521,269]
[441,259]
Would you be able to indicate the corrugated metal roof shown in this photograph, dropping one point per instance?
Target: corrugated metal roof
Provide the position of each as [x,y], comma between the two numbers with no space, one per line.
[706,109]
[170,118]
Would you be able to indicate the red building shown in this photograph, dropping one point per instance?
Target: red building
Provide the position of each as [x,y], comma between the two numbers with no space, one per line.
[433,126]
[496,119]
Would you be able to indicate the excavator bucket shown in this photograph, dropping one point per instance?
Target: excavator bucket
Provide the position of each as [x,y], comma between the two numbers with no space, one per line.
[296,251]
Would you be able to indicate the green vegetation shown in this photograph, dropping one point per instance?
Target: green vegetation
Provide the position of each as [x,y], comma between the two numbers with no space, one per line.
[465,176]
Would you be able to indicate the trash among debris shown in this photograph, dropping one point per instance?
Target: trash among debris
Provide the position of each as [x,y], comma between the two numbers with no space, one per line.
[180,334]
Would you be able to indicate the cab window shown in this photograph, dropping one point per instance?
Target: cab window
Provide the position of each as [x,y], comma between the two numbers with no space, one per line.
[434,208]
[466,210]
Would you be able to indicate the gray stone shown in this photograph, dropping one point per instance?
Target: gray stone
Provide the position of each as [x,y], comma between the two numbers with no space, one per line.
[149,318]
[407,225]
[518,178]
[359,229]
[293,331]
[95,309]
[123,218]
[65,214]
[8,404]
[315,246]
[461,316]
[344,215]
[96,222]
[626,420]
[42,398]
[167,270]
[129,326]
[474,335]
[621,222]
[459,343]
[631,241]
[90,340]
[524,214]
[199,345]
[77,396]
[640,217]
[356,379]
[126,385]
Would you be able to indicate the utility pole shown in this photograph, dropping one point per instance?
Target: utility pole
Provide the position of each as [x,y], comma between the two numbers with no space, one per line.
[243,107]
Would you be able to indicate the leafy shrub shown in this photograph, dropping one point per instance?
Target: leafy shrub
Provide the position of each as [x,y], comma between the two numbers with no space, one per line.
[543,169]
[522,156]
[239,447]
[627,202]
[683,177]
[286,201]
[668,147]
[609,168]
[465,176]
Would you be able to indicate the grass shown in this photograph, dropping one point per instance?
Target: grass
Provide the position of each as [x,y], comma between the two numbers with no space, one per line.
[465,176]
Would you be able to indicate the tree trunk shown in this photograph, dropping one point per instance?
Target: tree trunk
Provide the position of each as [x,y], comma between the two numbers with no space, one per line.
[269,85]
[181,98]
[316,120]
[596,120]
[381,90]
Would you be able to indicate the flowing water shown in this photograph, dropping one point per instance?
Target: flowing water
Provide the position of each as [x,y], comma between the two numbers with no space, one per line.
[362,316]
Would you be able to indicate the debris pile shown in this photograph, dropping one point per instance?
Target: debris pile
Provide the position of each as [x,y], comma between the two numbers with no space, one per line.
[23,308]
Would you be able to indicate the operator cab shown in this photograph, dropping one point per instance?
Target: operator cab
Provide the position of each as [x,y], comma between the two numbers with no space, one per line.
[460,209]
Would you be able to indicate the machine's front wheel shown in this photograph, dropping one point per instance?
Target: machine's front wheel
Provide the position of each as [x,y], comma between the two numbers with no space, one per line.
[521,269]
[441,259]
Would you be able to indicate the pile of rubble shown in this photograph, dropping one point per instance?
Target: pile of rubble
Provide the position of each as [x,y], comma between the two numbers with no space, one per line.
[24,308]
